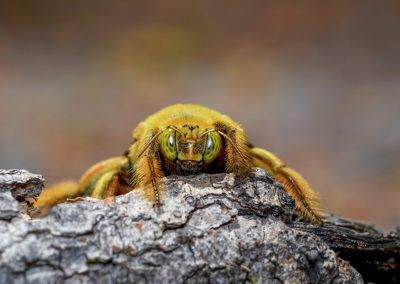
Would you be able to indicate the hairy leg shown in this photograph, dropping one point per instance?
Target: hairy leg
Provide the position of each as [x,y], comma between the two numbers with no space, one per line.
[56,194]
[102,180]
[294,184]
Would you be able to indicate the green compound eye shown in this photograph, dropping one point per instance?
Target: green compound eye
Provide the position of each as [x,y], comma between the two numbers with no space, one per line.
[167,144]
[212,147]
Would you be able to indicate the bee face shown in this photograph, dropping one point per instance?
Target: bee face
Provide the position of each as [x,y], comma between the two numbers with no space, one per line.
[189,147]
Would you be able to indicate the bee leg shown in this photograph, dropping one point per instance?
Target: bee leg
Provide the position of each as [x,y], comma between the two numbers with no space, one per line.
[105,179]
[99,181]
[56,194]
[108,185]
[294,184]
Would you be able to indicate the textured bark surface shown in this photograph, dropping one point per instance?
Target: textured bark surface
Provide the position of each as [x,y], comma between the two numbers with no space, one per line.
[374,255]
[17,185]
[208,229]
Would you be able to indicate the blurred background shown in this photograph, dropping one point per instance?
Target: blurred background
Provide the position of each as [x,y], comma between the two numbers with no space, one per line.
[315,82]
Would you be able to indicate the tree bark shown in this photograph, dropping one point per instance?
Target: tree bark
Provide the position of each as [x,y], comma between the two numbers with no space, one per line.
[374,255]
[209,228]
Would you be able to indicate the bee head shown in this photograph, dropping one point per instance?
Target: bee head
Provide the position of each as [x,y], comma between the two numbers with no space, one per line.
[189,147]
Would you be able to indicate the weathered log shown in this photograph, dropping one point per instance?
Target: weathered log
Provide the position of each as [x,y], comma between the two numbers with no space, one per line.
[374,255]
[208,229]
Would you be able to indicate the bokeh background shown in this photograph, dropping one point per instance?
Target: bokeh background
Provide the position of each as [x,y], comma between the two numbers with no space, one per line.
[315,82]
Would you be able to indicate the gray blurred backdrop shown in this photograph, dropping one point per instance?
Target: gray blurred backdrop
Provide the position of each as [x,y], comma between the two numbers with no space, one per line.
[315,82]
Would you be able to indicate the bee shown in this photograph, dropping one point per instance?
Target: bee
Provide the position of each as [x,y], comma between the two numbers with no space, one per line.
[183,140]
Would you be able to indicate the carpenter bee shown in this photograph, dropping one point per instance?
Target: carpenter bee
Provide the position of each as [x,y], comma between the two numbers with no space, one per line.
[183,140]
